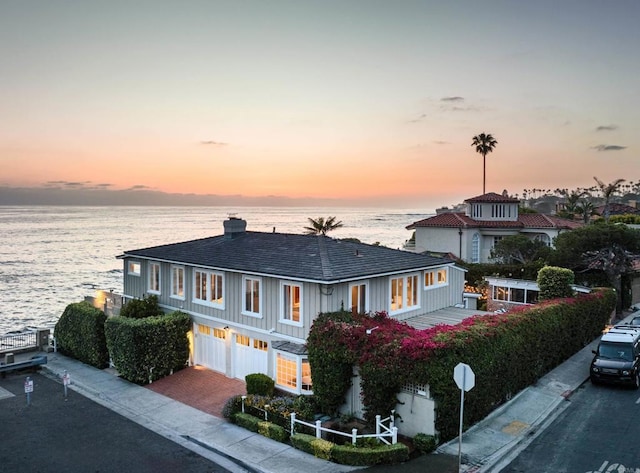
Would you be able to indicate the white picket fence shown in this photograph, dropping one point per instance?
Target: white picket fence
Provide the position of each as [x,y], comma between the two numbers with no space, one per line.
[384,433]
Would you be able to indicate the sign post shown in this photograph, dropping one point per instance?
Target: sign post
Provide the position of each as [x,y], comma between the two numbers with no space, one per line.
[465,379]
[66,381]
[28,389]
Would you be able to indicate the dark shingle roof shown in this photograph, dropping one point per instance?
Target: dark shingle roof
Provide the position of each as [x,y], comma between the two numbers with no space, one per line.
[309,257]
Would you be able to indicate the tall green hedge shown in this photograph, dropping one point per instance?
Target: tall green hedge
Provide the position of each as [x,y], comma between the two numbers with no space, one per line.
[147,349]
[80,334]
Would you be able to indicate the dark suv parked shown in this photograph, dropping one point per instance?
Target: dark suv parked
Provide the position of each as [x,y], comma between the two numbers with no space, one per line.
[617,359]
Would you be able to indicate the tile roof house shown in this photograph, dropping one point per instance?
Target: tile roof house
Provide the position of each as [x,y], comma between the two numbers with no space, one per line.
[470,235]
[253,296]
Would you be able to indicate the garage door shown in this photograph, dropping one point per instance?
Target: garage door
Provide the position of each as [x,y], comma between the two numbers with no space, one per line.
[250,356]
[211,348]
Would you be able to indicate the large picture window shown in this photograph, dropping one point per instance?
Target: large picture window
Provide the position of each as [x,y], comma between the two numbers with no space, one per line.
[208,288]
[291,303]
[404,294]
[251,302]
[177,282]
[154,278]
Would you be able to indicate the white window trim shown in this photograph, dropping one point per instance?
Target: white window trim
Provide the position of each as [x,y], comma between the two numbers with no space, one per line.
[134,273]
[366,295]
[173,295]
[159,290]
[208,302]
[404,293]
[258,314]
[298,359]
[435,284]
[282,319]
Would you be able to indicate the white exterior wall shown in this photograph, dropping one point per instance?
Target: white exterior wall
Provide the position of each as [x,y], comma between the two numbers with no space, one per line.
[417,414]
[446,240]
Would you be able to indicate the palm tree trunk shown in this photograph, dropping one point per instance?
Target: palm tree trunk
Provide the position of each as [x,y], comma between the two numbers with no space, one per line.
[484,173]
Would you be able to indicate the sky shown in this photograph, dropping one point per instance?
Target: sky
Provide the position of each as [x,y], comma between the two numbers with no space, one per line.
[353,101]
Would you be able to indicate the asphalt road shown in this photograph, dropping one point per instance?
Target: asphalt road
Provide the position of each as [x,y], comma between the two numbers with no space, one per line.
[598,432]
[77,435]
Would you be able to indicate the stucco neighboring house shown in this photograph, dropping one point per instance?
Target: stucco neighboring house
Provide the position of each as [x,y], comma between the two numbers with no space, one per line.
[470,235]
[253,296]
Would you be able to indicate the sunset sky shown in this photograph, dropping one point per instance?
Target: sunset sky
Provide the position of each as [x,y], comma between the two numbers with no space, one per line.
[370,100]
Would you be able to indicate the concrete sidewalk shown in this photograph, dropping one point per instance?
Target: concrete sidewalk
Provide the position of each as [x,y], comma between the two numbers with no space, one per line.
[486,447]
[233,447]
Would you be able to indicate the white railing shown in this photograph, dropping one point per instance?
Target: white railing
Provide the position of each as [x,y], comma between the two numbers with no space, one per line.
[382,431]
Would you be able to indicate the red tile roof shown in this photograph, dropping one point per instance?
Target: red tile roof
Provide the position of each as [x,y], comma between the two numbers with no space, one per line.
[492,197]
[458,219]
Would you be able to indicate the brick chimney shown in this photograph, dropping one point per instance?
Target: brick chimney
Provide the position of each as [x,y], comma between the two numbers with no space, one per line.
[234,227]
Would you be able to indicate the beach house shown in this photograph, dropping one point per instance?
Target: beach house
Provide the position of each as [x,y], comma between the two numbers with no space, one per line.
[253,296]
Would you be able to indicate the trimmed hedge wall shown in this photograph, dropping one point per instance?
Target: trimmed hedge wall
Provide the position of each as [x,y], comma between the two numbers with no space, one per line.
[147,349]
[510,352]
[80,334]
[349,454]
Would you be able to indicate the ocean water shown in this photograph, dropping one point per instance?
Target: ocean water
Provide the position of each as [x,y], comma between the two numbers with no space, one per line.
[53,256]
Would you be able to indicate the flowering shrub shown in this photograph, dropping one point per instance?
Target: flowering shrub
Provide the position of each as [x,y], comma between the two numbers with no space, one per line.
[507,352]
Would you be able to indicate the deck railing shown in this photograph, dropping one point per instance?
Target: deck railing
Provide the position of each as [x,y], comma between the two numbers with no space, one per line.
[18,341]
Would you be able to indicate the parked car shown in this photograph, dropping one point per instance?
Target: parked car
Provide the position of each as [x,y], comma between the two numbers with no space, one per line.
[617,358]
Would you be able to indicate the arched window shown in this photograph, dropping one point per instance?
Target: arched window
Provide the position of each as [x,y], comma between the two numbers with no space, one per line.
[475,248]
[544,238]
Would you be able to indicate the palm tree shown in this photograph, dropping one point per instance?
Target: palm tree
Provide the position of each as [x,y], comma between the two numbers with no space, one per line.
[484,144]
[320,226]
[607,191]
[586,209]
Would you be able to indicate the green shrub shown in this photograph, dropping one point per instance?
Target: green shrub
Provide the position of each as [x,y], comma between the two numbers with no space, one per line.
[141,308]
[555,282]
[303,442]
[425,443]
[272,431]
[80,334]
[358,456]
[260,384]
[147,349]
[246,421]
[232,406]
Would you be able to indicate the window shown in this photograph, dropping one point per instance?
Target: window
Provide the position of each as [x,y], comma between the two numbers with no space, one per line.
[475,248]
[496,240]
[260,345]
[500,293]
[208,288]
[436,278]
[358,298]
[404,294]
[515,295]
[290,303]
[177,282]
[242,340]
[476,210]
[293,373]
[133,268]
[251,301]
[154,278]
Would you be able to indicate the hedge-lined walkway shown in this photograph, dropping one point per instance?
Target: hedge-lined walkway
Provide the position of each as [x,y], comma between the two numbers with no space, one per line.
[199,387]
